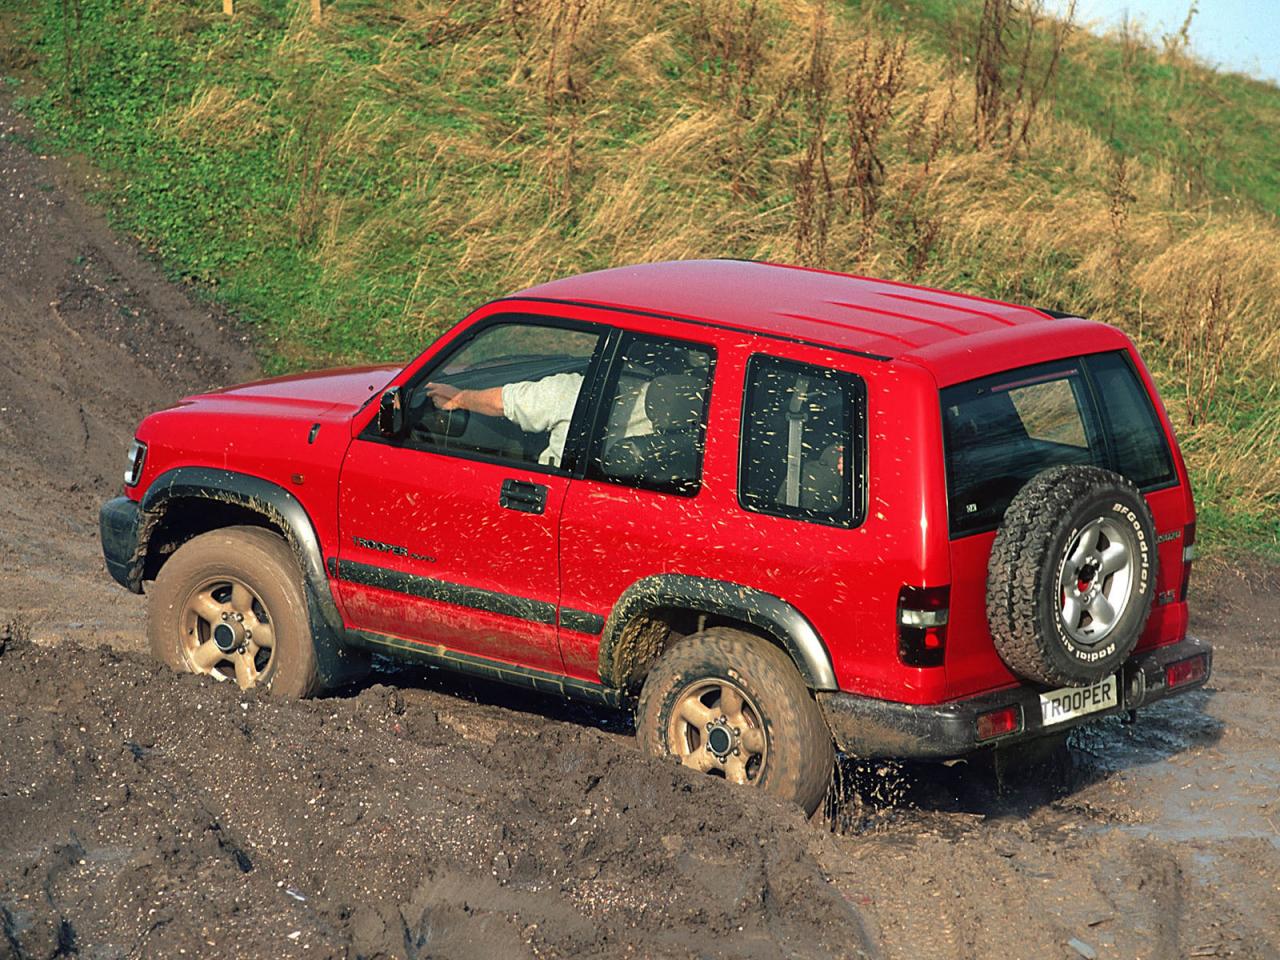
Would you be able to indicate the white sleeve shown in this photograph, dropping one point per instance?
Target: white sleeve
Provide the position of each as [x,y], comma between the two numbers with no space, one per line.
[536,406]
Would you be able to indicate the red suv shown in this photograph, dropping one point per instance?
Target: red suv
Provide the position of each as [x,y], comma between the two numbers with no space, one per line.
[777,510]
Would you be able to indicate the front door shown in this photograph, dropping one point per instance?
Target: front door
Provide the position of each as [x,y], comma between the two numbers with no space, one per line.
[450,535]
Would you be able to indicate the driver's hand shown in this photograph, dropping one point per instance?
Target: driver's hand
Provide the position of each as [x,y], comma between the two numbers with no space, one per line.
[444,396]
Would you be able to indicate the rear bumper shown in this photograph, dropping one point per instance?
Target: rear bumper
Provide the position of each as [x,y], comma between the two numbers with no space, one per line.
[118,522]
[868,727]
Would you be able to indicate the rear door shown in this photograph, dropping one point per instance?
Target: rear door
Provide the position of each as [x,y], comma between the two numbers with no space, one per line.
[1002,430]
[450,536]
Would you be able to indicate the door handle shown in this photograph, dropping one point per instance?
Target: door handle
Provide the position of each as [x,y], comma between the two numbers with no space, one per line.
[522,496]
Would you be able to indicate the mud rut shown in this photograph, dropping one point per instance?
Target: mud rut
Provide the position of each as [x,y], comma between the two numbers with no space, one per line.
[144,814]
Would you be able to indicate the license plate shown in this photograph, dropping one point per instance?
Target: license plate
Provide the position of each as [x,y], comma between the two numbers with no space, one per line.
[1059,705]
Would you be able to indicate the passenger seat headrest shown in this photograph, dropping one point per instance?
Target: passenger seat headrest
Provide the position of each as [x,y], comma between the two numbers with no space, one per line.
[675,402]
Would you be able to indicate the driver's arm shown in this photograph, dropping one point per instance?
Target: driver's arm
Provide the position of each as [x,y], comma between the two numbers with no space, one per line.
[487,402]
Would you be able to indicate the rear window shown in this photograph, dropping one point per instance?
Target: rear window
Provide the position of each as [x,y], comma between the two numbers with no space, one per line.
[1001,431]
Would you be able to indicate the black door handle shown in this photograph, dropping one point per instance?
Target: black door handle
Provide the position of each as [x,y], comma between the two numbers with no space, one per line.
[522,496]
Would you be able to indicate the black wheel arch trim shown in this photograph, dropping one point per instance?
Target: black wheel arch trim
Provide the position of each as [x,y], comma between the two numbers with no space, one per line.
[762,610]
[283,510]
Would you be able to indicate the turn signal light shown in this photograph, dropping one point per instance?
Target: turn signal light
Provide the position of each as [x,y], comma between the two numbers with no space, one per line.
[999,722]
[137,456]
[1185,671]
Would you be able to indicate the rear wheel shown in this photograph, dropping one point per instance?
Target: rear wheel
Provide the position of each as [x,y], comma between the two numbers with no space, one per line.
[229,604]
[733,706]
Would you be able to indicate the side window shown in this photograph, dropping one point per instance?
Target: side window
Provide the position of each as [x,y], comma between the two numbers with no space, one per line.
[510,392]
[801,442]
[652,427]
[1137,438]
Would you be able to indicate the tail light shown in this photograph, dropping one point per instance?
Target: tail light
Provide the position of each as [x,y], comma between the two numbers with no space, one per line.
[1188,554]
[922,625]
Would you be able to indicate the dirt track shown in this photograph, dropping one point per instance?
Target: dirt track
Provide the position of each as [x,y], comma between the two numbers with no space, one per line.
[143,813]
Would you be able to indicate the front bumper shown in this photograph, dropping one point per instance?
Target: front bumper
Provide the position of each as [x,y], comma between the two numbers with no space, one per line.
[867,727]
[118,521]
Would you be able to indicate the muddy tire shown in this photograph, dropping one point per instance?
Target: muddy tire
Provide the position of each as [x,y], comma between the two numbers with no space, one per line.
[230,604]
[1071,576]
[731,705]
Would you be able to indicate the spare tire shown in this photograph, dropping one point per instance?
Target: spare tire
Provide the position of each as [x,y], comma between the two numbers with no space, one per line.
[1071,576]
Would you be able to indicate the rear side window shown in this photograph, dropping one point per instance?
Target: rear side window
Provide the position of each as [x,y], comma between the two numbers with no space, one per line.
[802,444]
[1002,430]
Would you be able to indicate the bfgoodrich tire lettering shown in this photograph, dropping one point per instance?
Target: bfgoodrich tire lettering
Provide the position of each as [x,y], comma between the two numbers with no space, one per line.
[1071,576]
[730,704]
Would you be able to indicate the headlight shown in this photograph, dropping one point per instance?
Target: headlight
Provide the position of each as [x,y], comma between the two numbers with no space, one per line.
[137,455]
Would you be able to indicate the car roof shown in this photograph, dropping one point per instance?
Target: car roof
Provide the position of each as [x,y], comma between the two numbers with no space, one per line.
[946,332]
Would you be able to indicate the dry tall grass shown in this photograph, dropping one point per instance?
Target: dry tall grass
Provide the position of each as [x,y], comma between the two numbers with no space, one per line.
[216,115]
[781,130]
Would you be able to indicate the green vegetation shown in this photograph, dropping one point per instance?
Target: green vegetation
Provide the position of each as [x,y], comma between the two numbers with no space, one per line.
[353,186]
[1216,131]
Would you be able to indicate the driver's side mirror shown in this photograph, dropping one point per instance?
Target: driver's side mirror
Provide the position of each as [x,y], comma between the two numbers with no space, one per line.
[391,418]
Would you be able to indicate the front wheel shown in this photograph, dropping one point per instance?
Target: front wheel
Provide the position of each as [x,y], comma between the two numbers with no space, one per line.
[229,604]
[733,706]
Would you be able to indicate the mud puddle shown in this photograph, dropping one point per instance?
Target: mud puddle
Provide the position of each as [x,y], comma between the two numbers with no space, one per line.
[1150,840]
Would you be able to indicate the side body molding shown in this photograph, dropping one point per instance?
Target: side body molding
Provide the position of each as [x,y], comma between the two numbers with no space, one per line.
[762,610]
[283,510]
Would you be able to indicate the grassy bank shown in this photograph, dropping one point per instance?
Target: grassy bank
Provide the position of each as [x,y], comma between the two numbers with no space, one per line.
[353,185]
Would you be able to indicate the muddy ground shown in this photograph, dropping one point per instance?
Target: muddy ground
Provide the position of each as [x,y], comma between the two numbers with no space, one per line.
[144,814]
